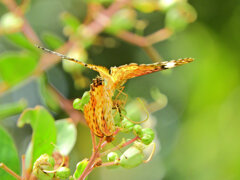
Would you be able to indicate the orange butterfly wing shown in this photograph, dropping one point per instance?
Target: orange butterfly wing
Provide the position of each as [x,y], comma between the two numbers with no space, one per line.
[122,73]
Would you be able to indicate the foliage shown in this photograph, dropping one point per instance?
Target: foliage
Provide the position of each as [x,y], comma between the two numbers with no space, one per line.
[198,128]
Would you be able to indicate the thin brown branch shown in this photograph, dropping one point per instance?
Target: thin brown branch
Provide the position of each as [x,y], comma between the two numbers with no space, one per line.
[159,36]
[23,168]
[152,53]
[103,18]
[108,164]
[66,105]
[26,28]
[93,141]
[91,162]
[4,167]
[119,146]
[133,38]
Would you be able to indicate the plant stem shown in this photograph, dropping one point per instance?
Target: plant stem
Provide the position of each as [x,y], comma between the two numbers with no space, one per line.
[90,165]
[133,38]
[159,36]
[108,164]
[4,167]
[119,146]
[23,168]
[152,53]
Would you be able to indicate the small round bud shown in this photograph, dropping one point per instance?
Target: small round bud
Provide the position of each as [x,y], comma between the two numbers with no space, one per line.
[124,19]
[137,129]
[112,156]
[127,125]
[80,103]
[131,158]
[179,16]
[77,104]
[44,162]
[63,173]
[11,22]
[148,136]
[80,168]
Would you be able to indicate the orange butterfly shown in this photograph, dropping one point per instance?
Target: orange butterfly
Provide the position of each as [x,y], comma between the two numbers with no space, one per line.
[98,112]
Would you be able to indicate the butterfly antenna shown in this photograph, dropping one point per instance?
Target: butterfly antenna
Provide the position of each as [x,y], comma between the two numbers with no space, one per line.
[62,56]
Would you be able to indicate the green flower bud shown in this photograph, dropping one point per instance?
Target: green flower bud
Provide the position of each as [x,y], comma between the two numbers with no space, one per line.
[62,173]
[178,17]
[80,103]
[112,156]
[145,6]
[131,158]
[124,19]
[127,125]
[80,168]
[77,104]
[10,22]
[137,129]
[85,99]
[148,136]
[44,162]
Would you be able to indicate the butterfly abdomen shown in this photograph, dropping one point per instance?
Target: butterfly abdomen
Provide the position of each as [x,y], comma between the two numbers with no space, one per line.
[98,112]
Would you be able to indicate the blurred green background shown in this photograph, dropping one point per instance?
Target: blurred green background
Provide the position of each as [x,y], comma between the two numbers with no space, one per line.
[198,130]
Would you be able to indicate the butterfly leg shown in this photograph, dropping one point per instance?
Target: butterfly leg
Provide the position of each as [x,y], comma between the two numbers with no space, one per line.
[120,91]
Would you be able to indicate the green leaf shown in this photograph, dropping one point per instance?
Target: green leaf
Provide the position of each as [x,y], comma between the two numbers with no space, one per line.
[8,155]
[52,40]
[15,67]
[12,108]
[20,40]
[48,96]
[44,131]
[66,136]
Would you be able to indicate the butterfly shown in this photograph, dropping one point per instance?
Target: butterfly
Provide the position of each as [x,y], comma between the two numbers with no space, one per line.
[98,111]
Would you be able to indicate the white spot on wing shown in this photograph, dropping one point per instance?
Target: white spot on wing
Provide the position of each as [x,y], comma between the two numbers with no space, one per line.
[170,65]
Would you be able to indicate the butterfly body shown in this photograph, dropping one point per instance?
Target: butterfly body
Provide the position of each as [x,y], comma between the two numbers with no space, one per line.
[98,111]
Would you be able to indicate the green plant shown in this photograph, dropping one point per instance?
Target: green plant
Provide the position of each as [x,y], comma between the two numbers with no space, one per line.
[117,20]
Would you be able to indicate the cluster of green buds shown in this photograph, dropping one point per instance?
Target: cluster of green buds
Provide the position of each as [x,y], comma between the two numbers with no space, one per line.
[134,155]
[131,157]
[43,169]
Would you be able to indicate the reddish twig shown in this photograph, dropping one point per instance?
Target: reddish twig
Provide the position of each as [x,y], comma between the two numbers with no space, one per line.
[23,168]
[119,146]
[4,167]
[91,162]
[67,106]
[133,38]
[26,28]
[103,19]
[159,36]
[108,164]
[93,141]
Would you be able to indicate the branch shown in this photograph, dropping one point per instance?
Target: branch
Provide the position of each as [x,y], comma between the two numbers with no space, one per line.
[26,28]
[120,146]
[4,167]
[94,156]
[103,19]
[67,106]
